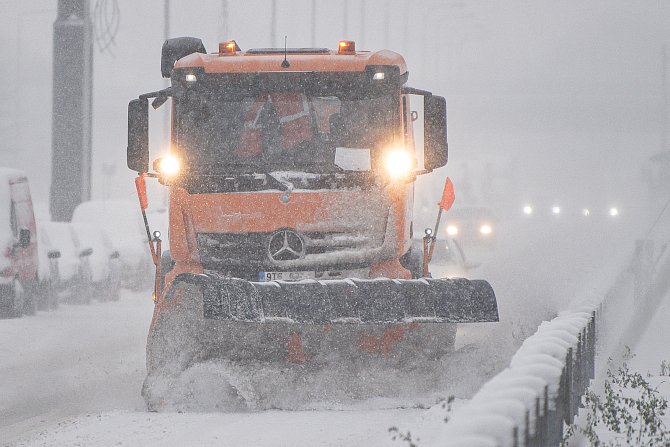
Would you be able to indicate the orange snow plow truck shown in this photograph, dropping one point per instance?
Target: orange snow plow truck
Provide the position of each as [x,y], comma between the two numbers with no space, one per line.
[291,180]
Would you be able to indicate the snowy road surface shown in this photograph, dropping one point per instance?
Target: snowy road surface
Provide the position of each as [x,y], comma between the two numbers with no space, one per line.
[73,377]
[77,360]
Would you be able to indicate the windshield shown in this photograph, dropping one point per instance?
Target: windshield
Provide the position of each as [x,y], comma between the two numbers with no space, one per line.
[279,126]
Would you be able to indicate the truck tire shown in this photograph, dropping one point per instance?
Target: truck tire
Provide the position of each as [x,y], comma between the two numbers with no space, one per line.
[51,295]
[30,297]
[413,261]
[11,300]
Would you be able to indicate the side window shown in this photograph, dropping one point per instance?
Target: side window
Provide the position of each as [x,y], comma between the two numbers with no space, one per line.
[22,209]
[13,220]
[413,108]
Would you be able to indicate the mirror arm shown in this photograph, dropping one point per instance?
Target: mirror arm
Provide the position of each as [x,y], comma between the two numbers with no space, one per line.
[156,94]
[415,91]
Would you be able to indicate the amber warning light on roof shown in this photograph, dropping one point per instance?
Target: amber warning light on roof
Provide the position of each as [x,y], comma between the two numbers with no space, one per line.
[346,47]
[229,47]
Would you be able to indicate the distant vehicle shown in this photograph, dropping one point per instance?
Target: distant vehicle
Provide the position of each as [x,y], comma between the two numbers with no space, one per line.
[449,260]
[557,208]
[472,226]
[74,277]
[104,260]
[18,245]
[48,270]
[119,218]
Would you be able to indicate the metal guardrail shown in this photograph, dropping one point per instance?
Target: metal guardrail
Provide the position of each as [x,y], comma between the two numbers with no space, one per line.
[529,403]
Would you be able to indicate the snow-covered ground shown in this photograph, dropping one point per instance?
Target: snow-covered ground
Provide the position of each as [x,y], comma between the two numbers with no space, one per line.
[73,377]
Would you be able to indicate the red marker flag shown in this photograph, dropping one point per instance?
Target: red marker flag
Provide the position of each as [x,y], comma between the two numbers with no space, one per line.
[448,195]
[141,187]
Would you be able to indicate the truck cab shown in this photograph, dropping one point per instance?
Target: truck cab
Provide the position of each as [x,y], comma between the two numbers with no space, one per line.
[289,164]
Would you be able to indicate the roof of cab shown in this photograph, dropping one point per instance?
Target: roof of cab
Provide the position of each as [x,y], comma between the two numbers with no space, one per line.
[251,62]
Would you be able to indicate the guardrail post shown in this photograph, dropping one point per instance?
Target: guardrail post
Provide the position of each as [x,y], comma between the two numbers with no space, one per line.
[642,267]
[536,439]
[555,417]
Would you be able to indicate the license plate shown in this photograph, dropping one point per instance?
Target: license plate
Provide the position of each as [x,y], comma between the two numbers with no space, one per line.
[285,276]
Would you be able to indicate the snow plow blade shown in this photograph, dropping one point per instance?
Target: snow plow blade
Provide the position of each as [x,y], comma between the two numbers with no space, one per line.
[425,300]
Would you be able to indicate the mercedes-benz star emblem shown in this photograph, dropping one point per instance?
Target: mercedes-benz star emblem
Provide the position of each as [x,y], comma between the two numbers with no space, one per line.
[286,245]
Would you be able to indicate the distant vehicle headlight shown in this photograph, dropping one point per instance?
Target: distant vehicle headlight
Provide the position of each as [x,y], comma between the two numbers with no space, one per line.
[556,209]
[486,229]
[452,230]
[528,210]
[586,212]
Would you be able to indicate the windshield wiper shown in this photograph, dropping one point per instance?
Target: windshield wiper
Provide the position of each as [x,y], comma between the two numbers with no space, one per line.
[273,181]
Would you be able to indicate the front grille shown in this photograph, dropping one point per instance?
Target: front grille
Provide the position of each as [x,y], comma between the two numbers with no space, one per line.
[245,254]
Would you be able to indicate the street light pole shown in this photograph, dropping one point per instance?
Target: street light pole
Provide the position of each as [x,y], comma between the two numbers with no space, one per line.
[72,108]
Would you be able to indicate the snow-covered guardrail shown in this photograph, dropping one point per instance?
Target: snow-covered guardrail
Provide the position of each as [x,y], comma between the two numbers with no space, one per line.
[528,403]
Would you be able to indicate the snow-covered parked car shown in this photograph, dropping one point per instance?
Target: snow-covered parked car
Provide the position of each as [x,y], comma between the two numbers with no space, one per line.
[104,260]
[123,222]
[74,271]
[18,245]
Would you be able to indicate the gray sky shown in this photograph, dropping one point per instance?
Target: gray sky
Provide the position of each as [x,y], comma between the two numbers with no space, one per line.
[571,91]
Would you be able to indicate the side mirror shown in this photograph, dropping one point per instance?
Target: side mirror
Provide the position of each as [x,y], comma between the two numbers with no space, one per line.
[85,253]
[53,254]
[138,135]
[176,48]
[435,132]
[24,238]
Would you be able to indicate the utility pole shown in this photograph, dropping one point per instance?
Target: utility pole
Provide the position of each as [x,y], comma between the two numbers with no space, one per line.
[664,92]
[345,20]
[72,108]
[405,26]
[166,19]
[362,14]
[224,32]
[313,37]
[387,23]
[166,110]
[273,24]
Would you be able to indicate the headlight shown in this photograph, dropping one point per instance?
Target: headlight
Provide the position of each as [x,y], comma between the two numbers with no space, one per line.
[614,212]
[556,209]
[452,230]
[398,163]
[586,212]
[486,229]
[528,210]
[167,166]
